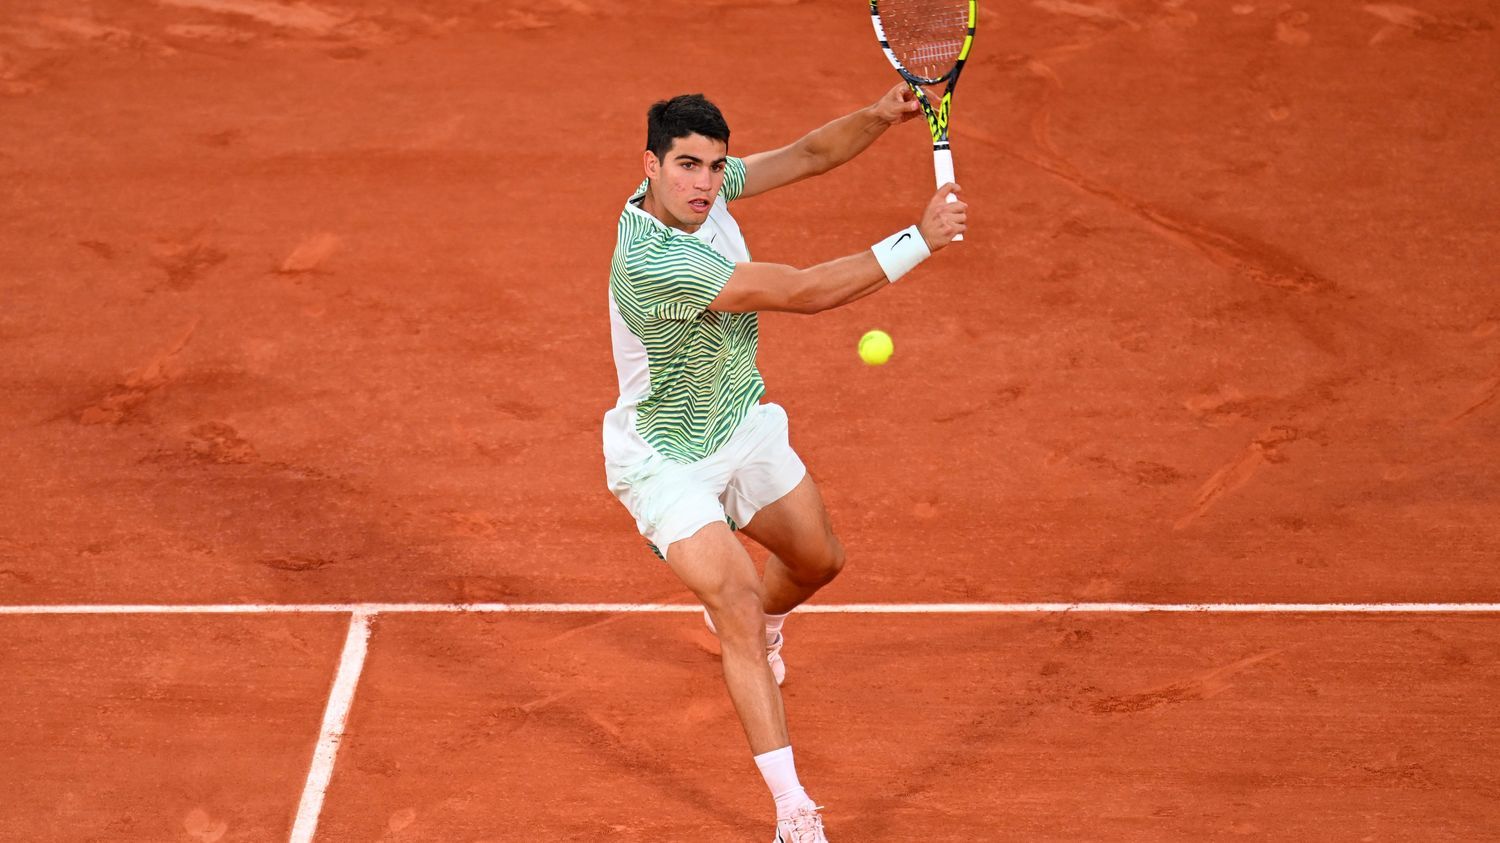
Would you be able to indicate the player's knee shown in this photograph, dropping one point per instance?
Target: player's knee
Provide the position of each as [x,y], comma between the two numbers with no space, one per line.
[737,613]
[821,564]
[834,560]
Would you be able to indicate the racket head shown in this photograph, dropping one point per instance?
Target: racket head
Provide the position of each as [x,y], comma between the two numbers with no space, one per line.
[927,41]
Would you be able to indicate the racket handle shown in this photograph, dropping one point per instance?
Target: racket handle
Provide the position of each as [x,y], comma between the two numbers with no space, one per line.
[942,165]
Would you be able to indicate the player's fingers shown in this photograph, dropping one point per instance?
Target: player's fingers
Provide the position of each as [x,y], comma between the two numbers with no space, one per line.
[949,189]
[901,99]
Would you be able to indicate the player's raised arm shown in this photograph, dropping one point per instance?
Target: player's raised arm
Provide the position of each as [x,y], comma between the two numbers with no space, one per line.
[830,145]
[771,286]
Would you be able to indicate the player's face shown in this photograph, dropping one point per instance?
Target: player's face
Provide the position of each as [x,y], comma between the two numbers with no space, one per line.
[685,181]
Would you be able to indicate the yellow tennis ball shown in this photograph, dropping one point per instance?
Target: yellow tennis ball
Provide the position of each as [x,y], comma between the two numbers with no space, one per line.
[875,347]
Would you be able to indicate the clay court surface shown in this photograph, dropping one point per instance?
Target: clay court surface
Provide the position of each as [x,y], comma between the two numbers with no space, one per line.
[304,304]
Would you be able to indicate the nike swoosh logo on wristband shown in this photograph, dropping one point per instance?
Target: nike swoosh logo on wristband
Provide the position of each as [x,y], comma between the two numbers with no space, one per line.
[899,239]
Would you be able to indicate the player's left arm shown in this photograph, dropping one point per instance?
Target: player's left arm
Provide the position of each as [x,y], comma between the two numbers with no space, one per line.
[830,145]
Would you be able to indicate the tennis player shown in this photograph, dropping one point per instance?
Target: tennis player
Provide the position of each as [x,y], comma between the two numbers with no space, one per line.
[689,448]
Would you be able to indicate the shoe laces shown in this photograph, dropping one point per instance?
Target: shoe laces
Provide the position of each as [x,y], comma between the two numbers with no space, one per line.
[805,826]
[773,649]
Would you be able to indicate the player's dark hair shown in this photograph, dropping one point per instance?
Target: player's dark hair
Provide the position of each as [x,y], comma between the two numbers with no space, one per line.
[680,116]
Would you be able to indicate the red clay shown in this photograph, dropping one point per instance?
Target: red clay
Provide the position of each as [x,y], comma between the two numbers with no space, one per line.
[159,728]
[305,302]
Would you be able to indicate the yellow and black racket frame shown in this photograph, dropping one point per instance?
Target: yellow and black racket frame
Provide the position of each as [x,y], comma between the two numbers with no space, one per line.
[937,118]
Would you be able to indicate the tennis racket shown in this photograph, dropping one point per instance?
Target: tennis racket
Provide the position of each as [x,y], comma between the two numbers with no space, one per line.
[927,42]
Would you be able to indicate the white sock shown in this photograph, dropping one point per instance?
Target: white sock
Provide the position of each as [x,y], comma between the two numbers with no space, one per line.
[773,627]
[780,774]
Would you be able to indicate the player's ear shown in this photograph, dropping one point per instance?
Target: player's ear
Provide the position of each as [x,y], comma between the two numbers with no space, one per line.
[652,164]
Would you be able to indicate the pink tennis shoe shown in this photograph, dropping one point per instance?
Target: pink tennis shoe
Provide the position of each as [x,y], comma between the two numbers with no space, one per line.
[803,826]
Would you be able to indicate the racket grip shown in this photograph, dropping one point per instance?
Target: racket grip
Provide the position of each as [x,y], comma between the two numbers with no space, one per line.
[942,165]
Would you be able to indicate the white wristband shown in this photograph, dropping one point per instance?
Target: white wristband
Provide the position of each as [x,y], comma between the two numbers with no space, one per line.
[900,252]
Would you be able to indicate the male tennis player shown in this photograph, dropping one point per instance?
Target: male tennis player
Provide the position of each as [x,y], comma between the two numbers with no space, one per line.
[689,449]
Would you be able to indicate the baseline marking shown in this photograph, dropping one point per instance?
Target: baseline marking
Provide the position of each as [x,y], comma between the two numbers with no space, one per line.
[334,719]
[356,644]
[368,609]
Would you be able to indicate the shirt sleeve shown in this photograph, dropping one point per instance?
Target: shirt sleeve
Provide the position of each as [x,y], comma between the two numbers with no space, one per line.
[734,179]
[678,279]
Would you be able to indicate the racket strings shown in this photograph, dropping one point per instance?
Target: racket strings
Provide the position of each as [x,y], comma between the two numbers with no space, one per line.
[925,35]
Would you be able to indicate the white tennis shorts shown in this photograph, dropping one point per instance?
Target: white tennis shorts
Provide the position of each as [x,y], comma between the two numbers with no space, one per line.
[671,501]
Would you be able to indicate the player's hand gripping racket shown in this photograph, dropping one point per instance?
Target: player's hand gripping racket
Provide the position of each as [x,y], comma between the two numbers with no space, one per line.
[928,41]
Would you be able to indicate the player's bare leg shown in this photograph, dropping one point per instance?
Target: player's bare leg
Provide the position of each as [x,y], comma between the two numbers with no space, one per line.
[716,567]
[805,554]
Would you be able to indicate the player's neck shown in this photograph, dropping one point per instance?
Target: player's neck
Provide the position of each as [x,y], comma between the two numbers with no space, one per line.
[658,210]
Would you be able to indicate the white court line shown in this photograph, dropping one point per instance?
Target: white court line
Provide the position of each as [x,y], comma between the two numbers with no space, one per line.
[824,609]
[1144,608]
[351,663]
[334,719]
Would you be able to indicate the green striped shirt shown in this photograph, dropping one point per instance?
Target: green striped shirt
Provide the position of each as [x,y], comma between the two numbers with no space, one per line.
[701,362]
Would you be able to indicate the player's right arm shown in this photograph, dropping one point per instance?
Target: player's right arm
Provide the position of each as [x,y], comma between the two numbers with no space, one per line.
[759,286]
